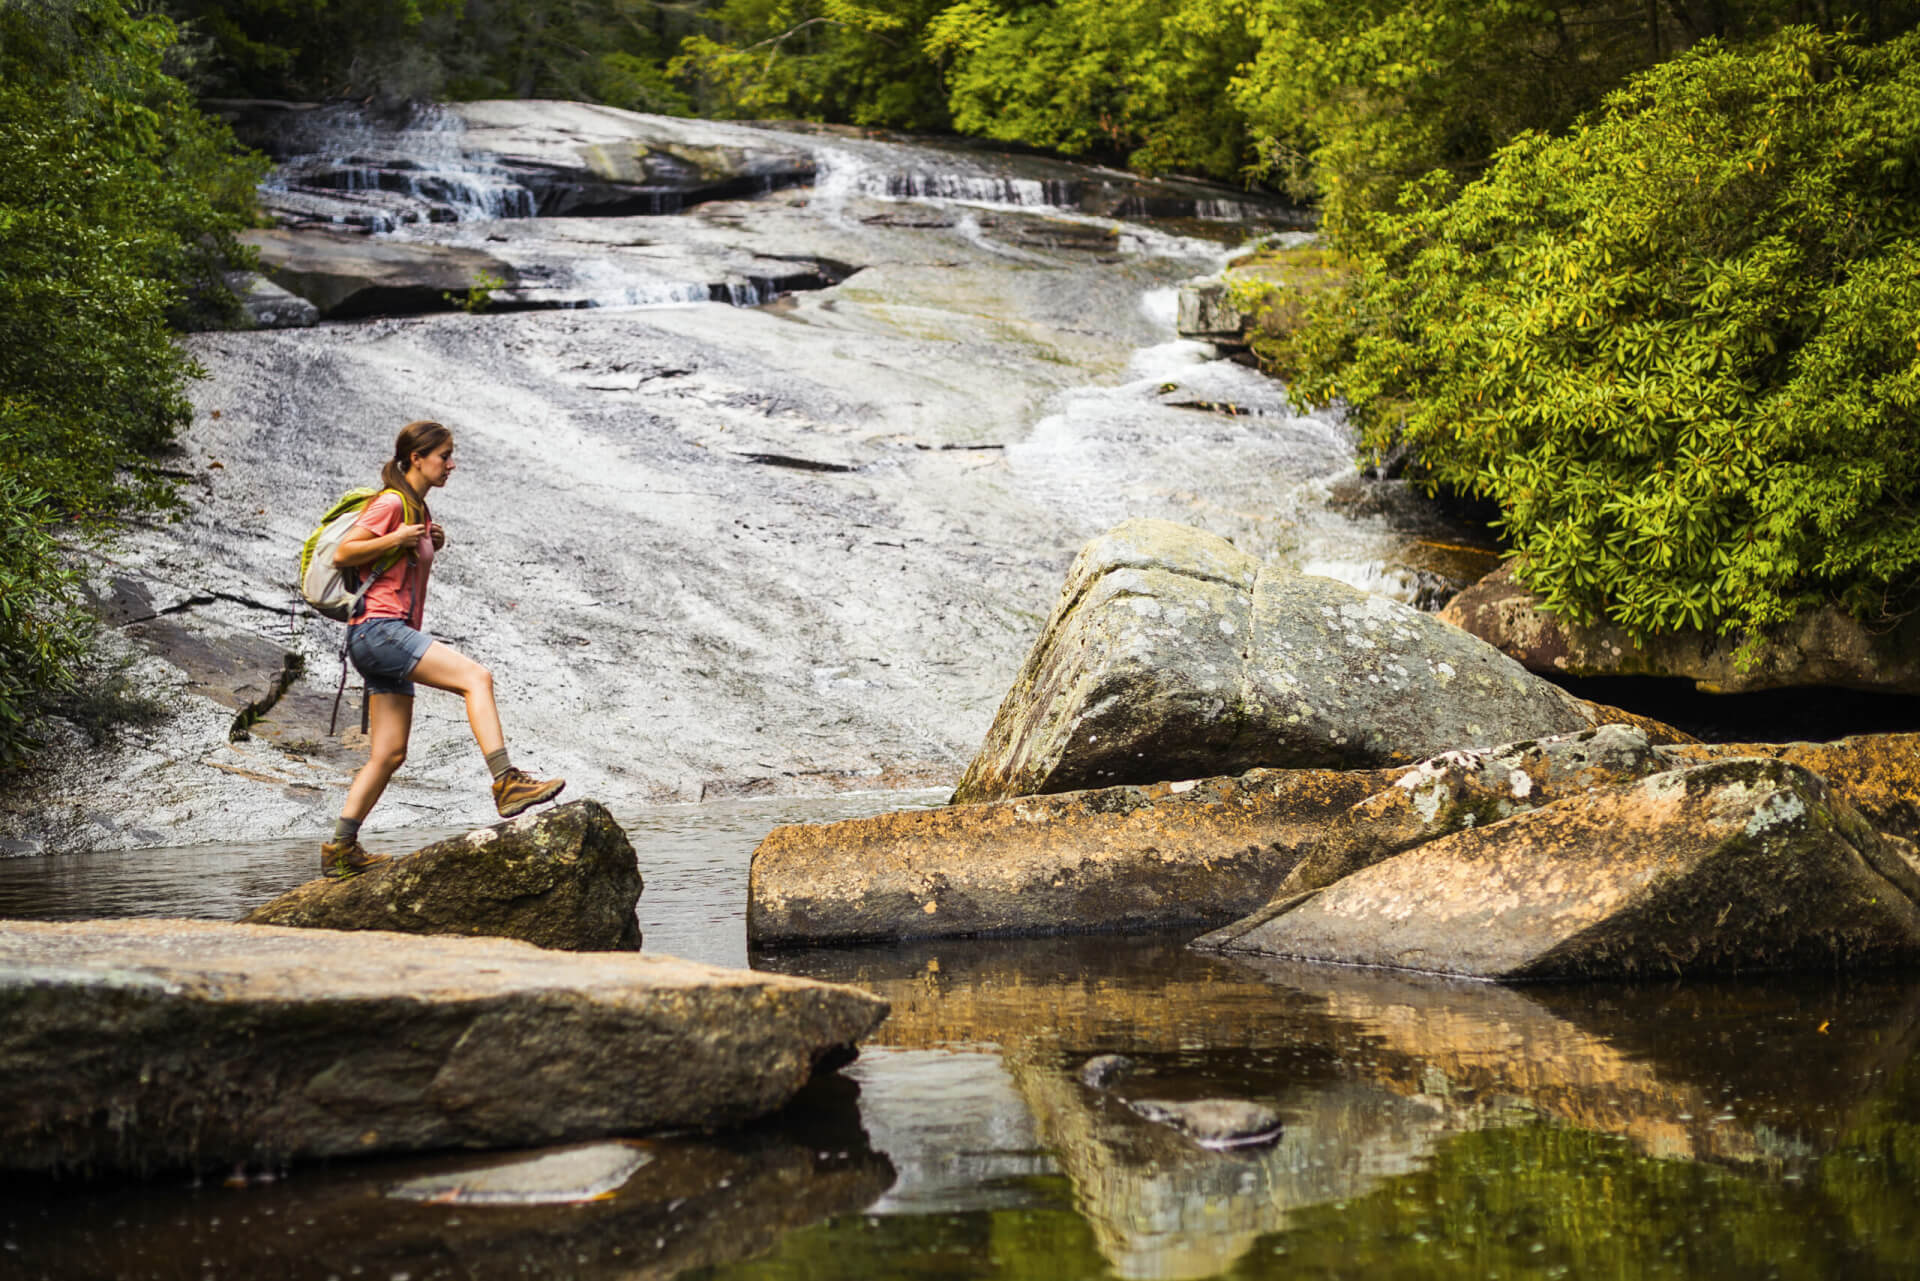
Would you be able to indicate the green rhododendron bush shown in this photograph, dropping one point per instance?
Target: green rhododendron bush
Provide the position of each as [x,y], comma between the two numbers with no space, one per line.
[118,201]
[1678,346]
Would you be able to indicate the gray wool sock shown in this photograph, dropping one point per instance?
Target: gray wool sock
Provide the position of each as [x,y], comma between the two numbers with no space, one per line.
[346,829]
[498,763]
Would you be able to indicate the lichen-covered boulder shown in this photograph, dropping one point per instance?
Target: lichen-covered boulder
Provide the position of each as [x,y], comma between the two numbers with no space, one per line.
[565,877]
[1740,864]
[1879,774]
[1172,654]
[1449,793]
[128,1046]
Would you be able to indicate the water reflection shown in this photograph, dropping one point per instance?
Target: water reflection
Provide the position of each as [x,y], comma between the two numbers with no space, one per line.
[1434,1128]
[693,1203]
[1391,1086]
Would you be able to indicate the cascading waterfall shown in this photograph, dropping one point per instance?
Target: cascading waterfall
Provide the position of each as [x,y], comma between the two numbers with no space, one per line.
[342,168]
[886,172]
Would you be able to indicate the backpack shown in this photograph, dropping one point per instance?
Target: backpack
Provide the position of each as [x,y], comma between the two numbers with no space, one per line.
[336,592]
[332,591]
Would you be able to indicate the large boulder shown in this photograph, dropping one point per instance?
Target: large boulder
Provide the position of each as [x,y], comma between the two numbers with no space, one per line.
[1173,654]
[1118,858]
[1739,864]
[1823,647]
[564,877]
[133,1045]
[343,274]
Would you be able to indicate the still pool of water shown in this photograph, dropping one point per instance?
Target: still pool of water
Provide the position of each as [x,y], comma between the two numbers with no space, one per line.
[1434,1129]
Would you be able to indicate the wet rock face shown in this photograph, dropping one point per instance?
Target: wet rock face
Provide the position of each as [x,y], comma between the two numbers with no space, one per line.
[578,158]
[1825,647]
[1102,1070]
[1172,654]
[266,305]
[1110,859]
[1739,864]
[194,1043]
[561,878]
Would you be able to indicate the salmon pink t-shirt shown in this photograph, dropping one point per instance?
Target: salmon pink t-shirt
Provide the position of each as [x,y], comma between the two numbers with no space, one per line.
[400,592]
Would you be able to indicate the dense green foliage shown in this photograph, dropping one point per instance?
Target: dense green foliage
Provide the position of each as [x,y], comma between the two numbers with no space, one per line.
[1676,345]
[610,51]
[1145,79]
[830,59]
[117,204]
[1366,96]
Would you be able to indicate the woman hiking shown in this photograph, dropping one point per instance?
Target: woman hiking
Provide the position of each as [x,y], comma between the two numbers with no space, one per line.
[397,532]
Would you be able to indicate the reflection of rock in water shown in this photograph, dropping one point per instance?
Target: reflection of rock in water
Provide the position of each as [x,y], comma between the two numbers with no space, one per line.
[694,1203]
[1735,1073]
[1163,1207]
[1372,1071]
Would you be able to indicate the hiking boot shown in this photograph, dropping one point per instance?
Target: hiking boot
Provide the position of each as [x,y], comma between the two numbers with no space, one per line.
[518,790]
[342,859]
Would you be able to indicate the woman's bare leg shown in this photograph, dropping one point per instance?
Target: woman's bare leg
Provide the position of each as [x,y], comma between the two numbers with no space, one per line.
[389,724]
[445,667]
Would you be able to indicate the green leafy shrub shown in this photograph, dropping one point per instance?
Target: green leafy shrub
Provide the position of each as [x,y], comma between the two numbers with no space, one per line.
[118,201]
[42,631]
[1679,347]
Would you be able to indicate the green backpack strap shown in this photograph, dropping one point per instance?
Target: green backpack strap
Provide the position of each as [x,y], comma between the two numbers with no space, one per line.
[397,555]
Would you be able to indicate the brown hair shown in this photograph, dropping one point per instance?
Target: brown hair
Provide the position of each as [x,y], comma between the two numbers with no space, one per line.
[422,436]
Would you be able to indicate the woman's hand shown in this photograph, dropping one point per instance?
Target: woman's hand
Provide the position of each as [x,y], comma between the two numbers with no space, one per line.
[361,547]
[439,536]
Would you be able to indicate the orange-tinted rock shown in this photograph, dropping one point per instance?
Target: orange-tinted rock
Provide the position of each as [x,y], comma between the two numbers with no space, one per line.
[1119,858]
[1741,864]
[1452,792]
[1879,774]
[135,1045]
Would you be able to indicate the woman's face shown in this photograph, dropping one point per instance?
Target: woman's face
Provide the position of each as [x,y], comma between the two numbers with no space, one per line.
[434,467]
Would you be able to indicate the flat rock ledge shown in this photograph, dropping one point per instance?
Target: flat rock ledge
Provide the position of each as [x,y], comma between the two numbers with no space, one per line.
[565,877]
[136,1045]
[1110,859]
[1173,654]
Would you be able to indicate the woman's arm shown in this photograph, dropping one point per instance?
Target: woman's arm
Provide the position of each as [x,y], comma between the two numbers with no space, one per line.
[362,546]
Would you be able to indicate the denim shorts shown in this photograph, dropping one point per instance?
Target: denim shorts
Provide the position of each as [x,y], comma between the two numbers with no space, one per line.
[385,651]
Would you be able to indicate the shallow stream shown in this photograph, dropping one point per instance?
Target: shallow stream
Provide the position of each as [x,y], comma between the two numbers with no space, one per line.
[1763,1128]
